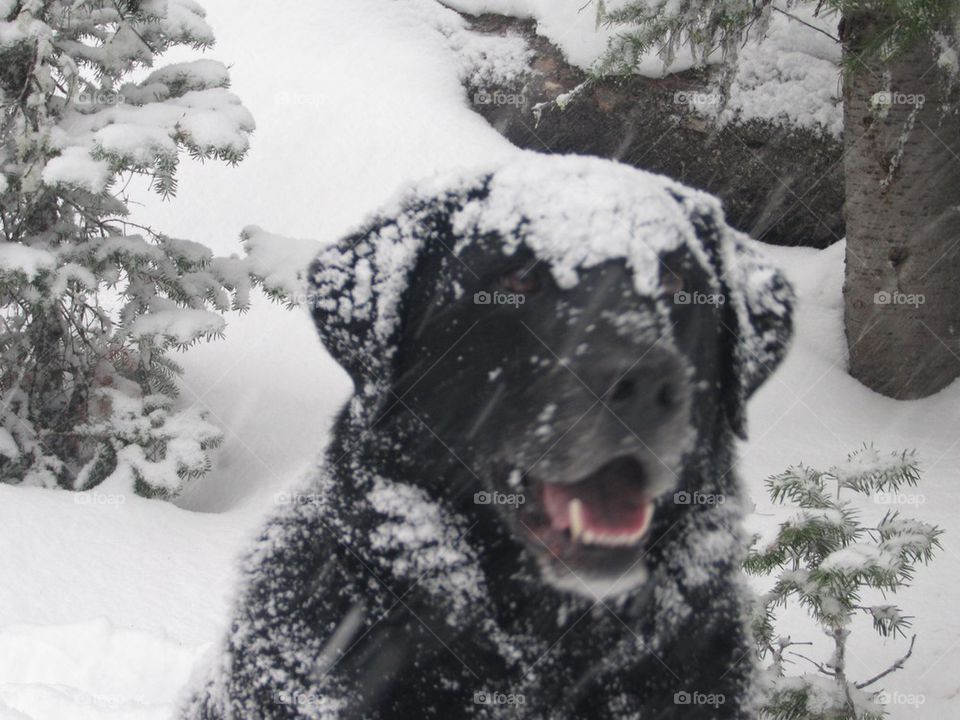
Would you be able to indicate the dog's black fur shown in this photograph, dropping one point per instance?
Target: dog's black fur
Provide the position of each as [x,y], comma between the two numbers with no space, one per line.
[385,591]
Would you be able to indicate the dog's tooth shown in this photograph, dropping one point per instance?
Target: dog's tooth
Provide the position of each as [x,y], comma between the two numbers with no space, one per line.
[591,537]
[647,517]
[575,510]
[609,540]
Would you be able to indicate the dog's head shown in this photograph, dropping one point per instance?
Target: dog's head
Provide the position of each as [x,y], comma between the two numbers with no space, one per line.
[567,332]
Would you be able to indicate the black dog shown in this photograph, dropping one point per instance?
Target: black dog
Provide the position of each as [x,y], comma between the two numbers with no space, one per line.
[526,509]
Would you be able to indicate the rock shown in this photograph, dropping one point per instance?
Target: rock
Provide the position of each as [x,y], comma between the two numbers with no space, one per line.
[780,184]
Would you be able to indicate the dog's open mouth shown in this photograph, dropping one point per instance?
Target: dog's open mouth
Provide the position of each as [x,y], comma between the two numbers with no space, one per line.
[607,513]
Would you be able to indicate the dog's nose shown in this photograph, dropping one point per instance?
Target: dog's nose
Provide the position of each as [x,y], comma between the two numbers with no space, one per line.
[662,394]
[653,387]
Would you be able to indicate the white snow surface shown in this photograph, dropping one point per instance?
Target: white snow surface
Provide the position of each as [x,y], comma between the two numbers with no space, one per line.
[180,324]
[792,76]
[8,446]
[15,257]
[75,168]
[106,604]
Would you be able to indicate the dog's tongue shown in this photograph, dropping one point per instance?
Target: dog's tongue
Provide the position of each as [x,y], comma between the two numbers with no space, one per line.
[612,510]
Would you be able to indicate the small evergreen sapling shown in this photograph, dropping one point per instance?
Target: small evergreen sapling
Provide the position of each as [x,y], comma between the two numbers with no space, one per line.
[825,559]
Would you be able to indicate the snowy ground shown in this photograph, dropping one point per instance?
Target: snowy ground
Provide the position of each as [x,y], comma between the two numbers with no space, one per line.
[107,603]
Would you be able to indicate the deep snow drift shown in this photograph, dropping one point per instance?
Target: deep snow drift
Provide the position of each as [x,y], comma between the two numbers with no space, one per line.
[107,602]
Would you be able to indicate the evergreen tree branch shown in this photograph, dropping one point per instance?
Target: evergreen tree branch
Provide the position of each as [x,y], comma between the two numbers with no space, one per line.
[897,665]
[804,22]
[819,666]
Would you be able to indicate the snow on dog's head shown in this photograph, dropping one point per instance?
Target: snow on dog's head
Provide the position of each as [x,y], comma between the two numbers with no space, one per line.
[561,343]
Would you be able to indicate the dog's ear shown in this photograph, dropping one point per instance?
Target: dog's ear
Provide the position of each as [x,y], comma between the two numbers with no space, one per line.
[356,289]
[757,314]
[358,286]
[758,323]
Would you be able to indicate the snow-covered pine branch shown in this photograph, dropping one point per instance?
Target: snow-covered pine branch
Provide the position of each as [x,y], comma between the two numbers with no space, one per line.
[91,303]
[867,471]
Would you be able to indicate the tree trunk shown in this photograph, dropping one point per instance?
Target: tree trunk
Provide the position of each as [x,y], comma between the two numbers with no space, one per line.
[902,166]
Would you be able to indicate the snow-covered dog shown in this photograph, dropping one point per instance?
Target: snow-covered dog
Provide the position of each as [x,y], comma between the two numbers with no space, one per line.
[526,509]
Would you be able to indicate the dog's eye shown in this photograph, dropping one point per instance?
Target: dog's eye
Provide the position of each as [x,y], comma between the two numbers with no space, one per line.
[521,281]
[671,280]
